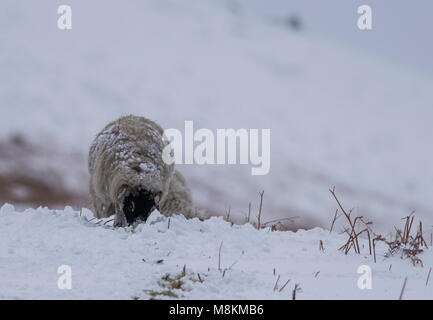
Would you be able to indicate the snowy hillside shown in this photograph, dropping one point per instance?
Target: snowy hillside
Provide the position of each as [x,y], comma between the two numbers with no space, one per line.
[337,117]
[189,259]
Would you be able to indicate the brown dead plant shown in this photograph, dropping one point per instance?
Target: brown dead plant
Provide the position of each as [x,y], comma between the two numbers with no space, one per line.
[405,243]
[357,227]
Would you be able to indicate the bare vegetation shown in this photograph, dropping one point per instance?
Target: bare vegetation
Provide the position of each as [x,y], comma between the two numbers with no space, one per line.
[173,286]
[295,290]
[321,247]
[402,289]
[428,277]
[276,288]
[405,243]
[274,225]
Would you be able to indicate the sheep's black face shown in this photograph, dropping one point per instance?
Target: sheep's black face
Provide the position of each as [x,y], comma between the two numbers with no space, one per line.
[138,207]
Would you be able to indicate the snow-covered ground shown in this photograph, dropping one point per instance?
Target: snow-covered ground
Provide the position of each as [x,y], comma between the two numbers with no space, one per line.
[188,259]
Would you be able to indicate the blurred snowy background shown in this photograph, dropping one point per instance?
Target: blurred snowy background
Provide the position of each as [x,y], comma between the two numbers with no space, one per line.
[346,108]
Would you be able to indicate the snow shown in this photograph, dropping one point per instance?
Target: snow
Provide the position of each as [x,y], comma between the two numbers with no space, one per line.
[132,263]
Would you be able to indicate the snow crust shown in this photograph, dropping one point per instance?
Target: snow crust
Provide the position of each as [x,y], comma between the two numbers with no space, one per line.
[132,263]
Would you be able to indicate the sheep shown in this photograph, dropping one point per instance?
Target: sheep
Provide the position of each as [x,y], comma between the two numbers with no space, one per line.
[128,176]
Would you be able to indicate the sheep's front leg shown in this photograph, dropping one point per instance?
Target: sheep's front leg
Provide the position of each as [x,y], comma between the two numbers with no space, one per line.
[119,218]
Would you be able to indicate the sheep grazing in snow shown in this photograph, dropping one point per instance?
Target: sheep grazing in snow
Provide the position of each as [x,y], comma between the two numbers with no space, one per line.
[128,176]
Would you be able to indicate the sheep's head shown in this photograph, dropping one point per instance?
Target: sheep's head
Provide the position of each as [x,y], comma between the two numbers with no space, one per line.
[139,204]
[137,196]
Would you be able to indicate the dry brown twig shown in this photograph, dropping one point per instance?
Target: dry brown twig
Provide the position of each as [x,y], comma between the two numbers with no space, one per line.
[260,209]
[402,289]
[333,221]
[229,268]
[284,285]
[108,221]
[276,283]
[428,277]
[219,256]
[378,238]
[296,289]
[228,214]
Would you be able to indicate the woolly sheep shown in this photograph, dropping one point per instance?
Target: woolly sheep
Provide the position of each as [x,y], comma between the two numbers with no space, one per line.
[128,176]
